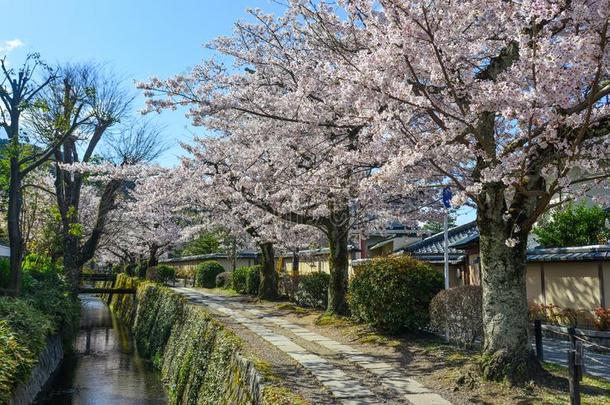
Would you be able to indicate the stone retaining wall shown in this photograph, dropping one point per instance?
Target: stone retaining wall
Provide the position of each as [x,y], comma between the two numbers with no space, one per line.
[48,362]
[201,361]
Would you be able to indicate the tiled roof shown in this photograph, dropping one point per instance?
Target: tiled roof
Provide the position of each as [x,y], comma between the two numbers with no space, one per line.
[433,245]
[431,249]
[570,254]
[240,255]
[319,251]
[382,243]
[465,241]
[439,259]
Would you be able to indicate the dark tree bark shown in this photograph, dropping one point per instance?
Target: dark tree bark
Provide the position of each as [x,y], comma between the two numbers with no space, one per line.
[337,230]
[17,92]
[268,283]
[76,252]
[15,203]
[295,273]
[507,353]
[505,313]
[153,258]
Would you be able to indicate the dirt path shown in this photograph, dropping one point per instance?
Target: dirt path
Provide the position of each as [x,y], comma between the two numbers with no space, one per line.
[351,375]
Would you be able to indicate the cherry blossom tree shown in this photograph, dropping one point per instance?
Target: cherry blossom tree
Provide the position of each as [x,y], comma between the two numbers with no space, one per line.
[291,143]
[507,102]
[146,223]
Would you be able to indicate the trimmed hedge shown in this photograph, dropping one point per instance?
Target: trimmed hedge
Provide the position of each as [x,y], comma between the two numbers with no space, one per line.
[393,293]
[206,273]
[458,312]
[247,279]
[224,279]
[312,290]
[5,273]
[165,273]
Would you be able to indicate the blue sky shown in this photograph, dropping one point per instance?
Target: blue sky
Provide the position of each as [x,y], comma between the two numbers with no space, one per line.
[135,38]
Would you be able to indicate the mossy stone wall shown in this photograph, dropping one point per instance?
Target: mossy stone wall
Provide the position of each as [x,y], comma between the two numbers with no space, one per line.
[201,361]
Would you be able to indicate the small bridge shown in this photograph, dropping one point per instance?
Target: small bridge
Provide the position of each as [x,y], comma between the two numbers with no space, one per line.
[98,277]
[102,290]
[93,277]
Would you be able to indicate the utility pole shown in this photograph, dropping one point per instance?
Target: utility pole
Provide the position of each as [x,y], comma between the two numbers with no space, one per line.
[446,248]
[447,203]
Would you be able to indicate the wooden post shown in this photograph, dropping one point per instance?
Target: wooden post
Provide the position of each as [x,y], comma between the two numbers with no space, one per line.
[110,294]
[538,337]
[572,334]
[573,378]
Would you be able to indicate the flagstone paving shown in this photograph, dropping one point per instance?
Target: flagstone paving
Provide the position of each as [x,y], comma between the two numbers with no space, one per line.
[348,377]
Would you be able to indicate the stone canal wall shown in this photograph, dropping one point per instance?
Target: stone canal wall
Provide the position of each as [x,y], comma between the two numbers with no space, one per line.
[48,361]
[201,361]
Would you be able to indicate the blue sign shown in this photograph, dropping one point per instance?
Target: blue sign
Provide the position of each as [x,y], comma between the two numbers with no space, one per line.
[447,197]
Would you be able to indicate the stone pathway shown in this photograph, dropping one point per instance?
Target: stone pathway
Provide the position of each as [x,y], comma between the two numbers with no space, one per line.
[315,353]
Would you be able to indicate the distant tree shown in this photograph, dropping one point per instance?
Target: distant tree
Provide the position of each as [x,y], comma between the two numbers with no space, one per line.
[19,91]
[437,226]
[574,225]
[203,244]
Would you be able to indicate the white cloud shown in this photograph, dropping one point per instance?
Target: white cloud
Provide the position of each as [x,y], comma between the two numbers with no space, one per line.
[11,44]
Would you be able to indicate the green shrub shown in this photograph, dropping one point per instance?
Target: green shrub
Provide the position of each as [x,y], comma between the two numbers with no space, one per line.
[45,308]
[131,269]
[141,269]
[312,290]
[117,268]
[246,279]
[5,273]
[25,328]
[207,272]
[287,285]
[16,361]
[223,280]
[165,272]
[458,312]
[38,268]
[393,293]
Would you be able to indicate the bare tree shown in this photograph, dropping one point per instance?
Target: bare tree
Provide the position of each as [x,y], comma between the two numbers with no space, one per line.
[136,142]
[91,97]
[19,92]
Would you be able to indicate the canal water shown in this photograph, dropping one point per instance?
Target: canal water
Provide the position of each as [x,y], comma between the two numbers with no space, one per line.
[105,368]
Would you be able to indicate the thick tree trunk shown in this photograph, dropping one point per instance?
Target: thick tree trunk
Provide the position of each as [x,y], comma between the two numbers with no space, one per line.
[294,285]
[337,232]
[507,352]
[268,284]
[72,266]
[153,258]
[14,229]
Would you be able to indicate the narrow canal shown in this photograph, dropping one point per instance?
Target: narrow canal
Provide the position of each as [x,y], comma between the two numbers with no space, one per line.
[105,368]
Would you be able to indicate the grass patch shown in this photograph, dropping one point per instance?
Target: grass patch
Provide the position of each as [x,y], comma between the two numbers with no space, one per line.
[289,306]
[225,292]
[594,390]
[264,368]
[457,370]
[333,320]
[281,396]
